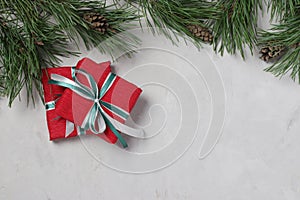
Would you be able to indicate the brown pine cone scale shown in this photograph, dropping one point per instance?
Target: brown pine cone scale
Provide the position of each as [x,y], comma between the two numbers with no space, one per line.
[202,33]
[270,52]
[97,22]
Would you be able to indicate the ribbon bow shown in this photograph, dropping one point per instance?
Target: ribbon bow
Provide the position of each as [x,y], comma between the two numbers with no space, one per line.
[97,119]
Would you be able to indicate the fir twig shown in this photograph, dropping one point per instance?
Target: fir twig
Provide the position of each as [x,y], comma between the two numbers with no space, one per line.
[236,28]
[25,39]
[72,21]
[174,18]
[285,34]
[36,34]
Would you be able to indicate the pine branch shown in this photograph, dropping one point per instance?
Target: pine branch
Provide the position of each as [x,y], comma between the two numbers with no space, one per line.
[70,17]
[23,37]
[285,34]
[36,34]
[237,26]
[289,63]
[176,17]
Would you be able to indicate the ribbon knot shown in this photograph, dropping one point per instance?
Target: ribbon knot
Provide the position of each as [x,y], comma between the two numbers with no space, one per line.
[97,119]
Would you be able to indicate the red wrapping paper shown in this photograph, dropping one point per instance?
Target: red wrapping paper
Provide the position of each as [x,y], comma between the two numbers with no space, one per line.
[56,124]
[74,108]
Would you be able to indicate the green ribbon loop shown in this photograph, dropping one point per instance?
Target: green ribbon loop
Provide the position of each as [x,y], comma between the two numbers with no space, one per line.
[96,117]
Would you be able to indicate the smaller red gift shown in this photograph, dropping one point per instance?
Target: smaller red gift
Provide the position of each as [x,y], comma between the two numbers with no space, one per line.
[97,100]
[58,127]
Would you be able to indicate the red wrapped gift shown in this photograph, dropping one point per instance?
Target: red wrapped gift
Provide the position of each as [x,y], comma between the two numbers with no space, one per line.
[58,126]
[121,94]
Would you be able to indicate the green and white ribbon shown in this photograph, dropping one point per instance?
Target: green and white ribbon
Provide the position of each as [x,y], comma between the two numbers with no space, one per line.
[97,119]
[50,105]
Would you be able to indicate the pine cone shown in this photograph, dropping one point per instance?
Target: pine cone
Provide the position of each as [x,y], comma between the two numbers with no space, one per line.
[200,32]
[270,52]
[97,22]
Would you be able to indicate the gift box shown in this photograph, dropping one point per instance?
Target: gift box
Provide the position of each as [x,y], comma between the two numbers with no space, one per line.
[58,127]
[73,108]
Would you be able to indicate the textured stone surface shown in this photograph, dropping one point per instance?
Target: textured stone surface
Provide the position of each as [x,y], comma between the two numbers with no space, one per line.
[257,156]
